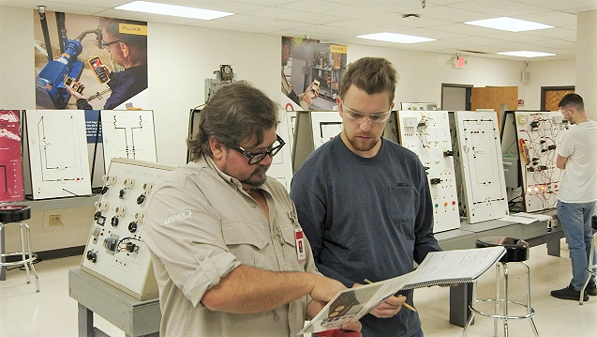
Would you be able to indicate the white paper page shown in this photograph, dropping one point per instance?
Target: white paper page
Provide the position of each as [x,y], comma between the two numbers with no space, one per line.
[518,219]
[455,265]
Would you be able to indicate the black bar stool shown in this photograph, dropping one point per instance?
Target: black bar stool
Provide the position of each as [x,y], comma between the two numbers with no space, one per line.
[14,215]
[517,250]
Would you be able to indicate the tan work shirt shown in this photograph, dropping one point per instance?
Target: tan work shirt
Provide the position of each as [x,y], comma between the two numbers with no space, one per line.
[200,225]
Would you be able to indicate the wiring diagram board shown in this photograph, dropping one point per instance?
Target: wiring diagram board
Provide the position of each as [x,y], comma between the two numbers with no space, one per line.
[11,163]
[537,134]
[325,125]
[58,156]
[481,165]
[281,167]
[128,134]
[427,134]
[115,251]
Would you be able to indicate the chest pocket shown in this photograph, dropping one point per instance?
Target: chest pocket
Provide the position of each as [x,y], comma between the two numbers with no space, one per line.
[288,242]
[247,242]
[404,205]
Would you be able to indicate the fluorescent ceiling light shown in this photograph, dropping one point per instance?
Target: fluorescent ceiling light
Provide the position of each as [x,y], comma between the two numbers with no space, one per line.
[181,11]
[391,37]
[524,53]
[509,24]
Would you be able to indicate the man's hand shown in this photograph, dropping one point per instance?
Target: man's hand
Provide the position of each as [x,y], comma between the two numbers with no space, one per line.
[74,93]
[388,308]
[325,288]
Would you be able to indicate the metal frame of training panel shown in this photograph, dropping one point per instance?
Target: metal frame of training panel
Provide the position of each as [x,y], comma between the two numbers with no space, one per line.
[481,165]
[128,134]
[427,134]
[537,135]
[391,131]
[281,167]
[115,251]
[58,156]
[11,162]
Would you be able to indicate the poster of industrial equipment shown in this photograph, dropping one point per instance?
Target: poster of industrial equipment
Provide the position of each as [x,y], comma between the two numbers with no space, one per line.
[311,73]
[89,63]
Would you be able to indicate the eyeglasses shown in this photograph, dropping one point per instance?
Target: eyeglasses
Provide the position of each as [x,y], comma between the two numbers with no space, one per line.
[106,45]
[256,157]
[376,118]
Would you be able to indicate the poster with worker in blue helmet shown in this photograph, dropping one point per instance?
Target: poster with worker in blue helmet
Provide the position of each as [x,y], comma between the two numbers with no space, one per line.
[89,63]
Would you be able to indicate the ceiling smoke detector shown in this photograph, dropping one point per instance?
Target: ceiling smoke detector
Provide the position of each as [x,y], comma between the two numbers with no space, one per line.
[411,16]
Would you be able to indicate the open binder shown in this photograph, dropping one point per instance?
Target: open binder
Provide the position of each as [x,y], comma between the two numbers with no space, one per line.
[438,268]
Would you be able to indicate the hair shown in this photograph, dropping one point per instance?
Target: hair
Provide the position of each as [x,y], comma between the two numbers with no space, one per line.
[372,74]
[132,40]
[236,112]
[573,101]
[289,41]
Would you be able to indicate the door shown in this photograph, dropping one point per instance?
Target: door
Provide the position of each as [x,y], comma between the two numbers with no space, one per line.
[551,96]
[499,99]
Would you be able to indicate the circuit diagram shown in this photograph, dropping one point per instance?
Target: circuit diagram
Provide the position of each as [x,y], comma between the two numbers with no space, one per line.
[128,134]
[537,135]
[481,165]
[427,134]
[58,156]
[115,251]
[11,163]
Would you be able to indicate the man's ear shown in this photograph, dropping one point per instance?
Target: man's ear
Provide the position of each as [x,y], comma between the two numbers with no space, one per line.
[124,48]
[218,149]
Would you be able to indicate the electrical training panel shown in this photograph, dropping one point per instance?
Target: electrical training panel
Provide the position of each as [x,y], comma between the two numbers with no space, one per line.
[537,135]
[11,163]
[128,134]
[427,134]
[325,125]
[422,106]
[115,251]
[481,165]
[58,157]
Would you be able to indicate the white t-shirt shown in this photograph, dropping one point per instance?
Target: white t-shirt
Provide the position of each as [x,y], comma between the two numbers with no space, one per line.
[579,179]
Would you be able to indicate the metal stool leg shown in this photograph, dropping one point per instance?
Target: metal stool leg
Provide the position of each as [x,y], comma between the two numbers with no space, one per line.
[590,269]
[31,258]
[530,311]
[505,269]
[24,252]
[472,313]
[498,278]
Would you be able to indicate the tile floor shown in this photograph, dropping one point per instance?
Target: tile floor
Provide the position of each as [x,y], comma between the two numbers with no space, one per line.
[51,312]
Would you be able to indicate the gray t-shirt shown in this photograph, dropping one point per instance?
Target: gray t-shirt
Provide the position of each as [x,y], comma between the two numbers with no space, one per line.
[366,218]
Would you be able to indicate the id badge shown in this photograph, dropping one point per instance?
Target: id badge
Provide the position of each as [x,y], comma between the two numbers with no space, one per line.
[300,245]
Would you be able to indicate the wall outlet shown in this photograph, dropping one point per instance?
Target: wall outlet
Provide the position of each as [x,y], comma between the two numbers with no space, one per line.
[55,220]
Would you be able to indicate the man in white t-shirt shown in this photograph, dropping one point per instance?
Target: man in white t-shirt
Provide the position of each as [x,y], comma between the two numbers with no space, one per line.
[577,156]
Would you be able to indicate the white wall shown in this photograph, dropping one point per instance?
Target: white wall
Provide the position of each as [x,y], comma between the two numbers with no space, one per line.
[181,57]
[547,74]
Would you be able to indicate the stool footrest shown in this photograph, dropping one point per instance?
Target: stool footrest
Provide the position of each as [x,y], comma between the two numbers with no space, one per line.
[30,259]
[529,314]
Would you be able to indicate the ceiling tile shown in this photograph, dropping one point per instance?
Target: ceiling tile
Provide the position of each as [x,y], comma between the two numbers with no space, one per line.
[498,7]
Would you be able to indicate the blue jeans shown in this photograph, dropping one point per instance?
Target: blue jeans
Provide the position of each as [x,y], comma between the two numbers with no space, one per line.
[576,223]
